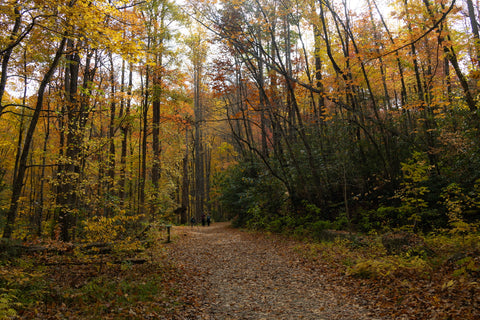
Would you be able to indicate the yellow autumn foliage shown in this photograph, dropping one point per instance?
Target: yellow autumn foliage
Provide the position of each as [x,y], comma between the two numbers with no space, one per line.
[108,229]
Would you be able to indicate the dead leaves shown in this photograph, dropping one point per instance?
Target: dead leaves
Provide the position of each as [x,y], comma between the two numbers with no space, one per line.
[221,273]
[241,275]
[238,275]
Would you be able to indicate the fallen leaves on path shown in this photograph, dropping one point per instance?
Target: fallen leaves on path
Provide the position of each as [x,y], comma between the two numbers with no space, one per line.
[233,274]
[241,275]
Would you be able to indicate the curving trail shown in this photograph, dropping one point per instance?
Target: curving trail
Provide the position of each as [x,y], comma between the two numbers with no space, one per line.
[232,274]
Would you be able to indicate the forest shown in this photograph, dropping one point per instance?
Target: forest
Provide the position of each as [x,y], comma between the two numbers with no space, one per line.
[305,117]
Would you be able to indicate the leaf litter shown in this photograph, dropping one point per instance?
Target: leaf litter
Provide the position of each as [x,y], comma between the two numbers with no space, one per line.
[218,272]
[241,275]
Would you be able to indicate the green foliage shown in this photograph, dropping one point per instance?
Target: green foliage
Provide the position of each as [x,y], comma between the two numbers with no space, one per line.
[22,284]
[321,225]
[109,229]
[456,201]
[386,267]
[9,248]
[468,266]
[413,189]
[306,225]
[6,306]
[342,222]
[375,220]
[259,201]
[447,243]
[257,220]
[99,290]
[250,195]
[311,209]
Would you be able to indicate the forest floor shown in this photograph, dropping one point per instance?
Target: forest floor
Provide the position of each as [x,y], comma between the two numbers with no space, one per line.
[234,274]
[222,273]
[241,275]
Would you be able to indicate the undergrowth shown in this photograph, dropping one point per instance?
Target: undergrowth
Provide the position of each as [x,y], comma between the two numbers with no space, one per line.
[443,281]
[22,285]
[371,260]
[130,282]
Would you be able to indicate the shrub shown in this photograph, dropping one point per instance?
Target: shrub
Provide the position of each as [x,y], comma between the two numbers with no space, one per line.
[6,306]
[413,189]
[387,267]
[406,243]
[342,222]
[276,225]
[371,269]
[251,195]
[456,201]
[22,285]
[10,248]
[321,225]
[257,220]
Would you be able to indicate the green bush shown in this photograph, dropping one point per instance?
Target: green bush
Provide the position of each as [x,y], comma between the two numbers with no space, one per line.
[258,220]
[321,225]
[317,229]
[10,248]
[6,306]
[342,222]
[251,196]
[276,225]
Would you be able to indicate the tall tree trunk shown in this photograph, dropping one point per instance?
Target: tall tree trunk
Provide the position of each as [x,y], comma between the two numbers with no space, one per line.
[157,87]
[198,145]
[185,182]
[125,128]
[69,170]
[208,166]
[143,144]
[41,198]
[377,38]
[21,127]
[262,98]
[156,147]
[77,108]
[8,53]
[320,110]
[476,36]
[19,177]
[110,192]
[419,85]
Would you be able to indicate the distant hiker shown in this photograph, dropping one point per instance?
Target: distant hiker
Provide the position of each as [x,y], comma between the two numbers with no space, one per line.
[208,220]
[192,221]
[203,220]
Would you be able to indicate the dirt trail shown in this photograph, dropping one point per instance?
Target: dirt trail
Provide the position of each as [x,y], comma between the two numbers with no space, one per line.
[238,275]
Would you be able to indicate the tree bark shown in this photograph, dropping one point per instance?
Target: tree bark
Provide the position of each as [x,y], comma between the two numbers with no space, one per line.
[125,129]
[185,182]
[198,145]
[476,36]
[111,138]
[19,177]
[8,53]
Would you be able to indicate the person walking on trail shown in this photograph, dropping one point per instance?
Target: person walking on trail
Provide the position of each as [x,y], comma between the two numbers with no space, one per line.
[192,222]
[203,220]
[208,220]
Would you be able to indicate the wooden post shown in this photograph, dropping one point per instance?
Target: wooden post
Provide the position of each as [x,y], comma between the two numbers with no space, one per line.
[168,226]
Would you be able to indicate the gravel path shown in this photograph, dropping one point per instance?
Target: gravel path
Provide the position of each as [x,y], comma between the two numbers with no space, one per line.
[239,275]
